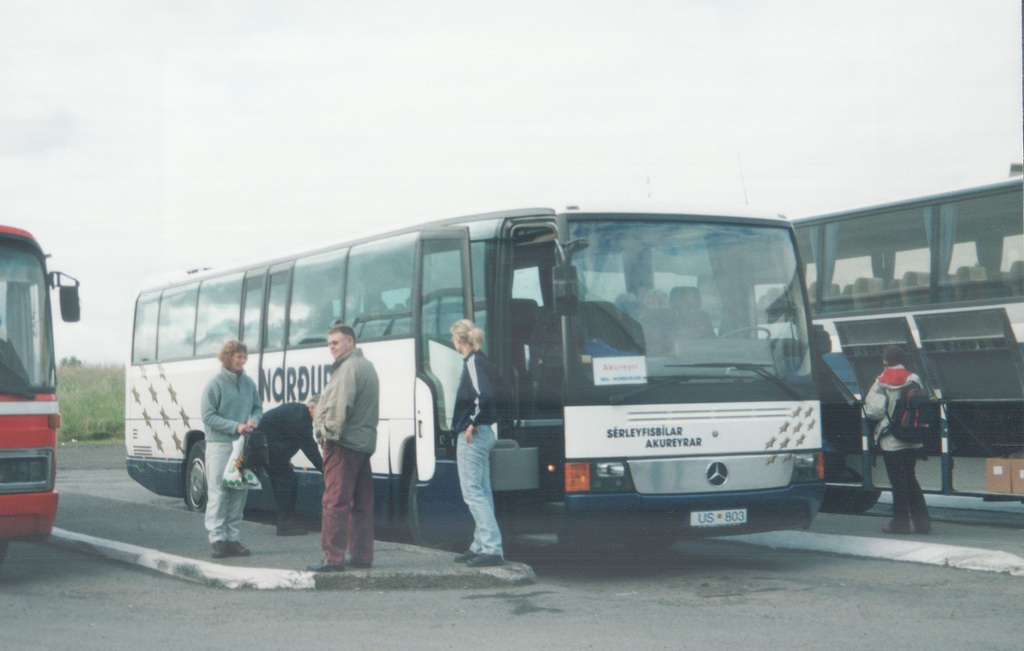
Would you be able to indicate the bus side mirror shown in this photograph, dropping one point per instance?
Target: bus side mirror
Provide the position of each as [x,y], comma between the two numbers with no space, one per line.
[820,340]
[70,306]
[565,292]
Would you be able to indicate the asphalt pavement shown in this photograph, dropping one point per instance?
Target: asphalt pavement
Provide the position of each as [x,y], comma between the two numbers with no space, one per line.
[173,541]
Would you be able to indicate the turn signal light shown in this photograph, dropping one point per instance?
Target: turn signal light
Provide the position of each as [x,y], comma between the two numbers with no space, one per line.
[577,477]
[54,421]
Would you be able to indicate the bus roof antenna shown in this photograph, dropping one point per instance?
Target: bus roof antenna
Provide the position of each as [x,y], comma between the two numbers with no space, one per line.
[743,180]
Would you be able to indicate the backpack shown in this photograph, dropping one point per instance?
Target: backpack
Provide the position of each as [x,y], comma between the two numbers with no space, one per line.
[915,418]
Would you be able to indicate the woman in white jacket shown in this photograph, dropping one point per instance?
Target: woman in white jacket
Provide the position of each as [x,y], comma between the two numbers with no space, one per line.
[908,503]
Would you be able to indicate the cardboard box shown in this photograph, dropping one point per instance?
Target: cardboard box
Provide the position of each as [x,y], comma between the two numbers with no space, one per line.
[1017,476]
[998,475]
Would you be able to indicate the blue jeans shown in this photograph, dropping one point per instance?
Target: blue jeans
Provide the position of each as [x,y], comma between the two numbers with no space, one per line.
[474,462]
[225,507]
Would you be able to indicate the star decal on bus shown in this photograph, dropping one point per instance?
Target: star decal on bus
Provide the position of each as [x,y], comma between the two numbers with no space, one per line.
[167,419]
[135,393]
[770,443]
[184,418]
[177,442]
[159,443]
[784,427]
[174,394]
[145,416]
[153,393]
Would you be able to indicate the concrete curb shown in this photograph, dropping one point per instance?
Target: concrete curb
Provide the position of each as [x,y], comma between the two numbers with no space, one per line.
[234,578]
[965,558]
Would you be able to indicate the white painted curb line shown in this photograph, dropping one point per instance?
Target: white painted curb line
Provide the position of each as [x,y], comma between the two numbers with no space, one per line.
[965,558]
[186,568]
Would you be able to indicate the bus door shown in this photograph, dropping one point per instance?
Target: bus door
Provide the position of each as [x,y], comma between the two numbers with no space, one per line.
[442,297]
[536,359]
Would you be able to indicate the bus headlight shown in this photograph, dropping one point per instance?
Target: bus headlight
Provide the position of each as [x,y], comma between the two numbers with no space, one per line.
[808,467]
[597,477]
[26,471]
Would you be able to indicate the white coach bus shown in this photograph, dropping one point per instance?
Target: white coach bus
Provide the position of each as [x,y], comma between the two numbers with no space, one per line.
[942,276]
[659,364]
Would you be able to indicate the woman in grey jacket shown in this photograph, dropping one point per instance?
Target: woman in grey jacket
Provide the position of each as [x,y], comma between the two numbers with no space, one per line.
[231,407]
[900,458]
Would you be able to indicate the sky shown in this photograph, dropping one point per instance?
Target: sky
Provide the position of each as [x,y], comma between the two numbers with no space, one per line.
[143,138]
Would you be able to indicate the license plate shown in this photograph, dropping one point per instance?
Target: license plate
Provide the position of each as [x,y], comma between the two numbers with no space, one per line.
[724,518]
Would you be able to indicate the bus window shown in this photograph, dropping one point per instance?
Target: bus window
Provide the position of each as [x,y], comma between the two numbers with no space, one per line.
[316,298]
[860,271]
[176,335]
[220,302]
[478,252]
[277,308]
[252,310]
[536,331]
[379,288]
[147,310]
[442,304]
[975,246]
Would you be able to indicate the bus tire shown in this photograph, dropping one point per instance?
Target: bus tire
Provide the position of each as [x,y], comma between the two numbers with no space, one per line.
[195,478]
[846,500]
[412,511]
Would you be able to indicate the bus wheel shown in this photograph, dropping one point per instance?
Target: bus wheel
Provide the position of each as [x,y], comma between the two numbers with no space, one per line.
[412,511]
[848,500]
[195,478]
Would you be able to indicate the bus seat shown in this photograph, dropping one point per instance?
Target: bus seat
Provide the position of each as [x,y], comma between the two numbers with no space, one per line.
[522,319]
[964,281]
[1015,278]
[607,330]
[545,362]
[867,293]
[691,322]
[914,287]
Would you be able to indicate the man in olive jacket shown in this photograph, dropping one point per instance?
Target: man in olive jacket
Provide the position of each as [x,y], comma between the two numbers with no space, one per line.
[345,424]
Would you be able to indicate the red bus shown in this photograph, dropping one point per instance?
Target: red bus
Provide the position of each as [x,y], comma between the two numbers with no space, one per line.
[29,416]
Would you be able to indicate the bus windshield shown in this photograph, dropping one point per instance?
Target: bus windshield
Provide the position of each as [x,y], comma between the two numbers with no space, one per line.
[26,365]
[687,311]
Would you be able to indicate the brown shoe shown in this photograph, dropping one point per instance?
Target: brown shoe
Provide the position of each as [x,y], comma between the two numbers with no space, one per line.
[235,548]
[219,549]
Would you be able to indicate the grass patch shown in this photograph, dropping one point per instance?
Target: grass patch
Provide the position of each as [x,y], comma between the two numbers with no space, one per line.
[91,402]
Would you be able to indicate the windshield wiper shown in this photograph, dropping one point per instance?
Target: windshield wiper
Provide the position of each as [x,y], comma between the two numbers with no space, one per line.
[620,398]
[759,369]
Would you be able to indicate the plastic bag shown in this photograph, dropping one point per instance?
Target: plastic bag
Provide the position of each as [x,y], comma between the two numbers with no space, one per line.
[235,475]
